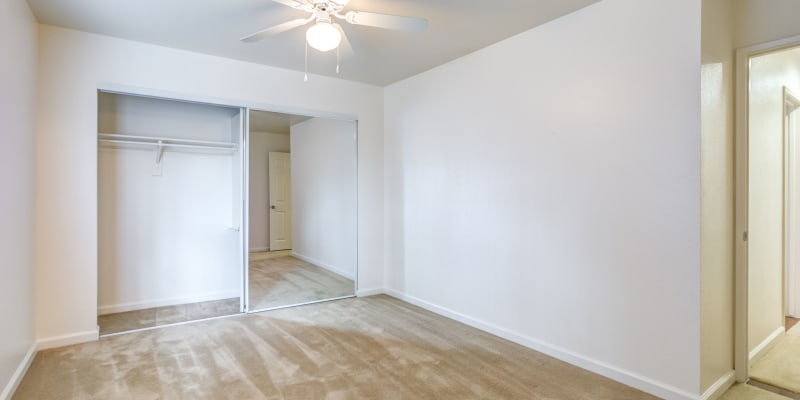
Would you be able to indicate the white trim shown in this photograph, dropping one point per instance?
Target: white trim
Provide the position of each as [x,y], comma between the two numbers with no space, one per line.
[16,378]
[67,340]
[719,387]
[258,249]
[629,378]
[791,283]
[116,308]
[334,269]
[767,345]
[370,292]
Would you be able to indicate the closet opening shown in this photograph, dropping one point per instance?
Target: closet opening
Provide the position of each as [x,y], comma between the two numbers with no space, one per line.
[302,210]
[170,211]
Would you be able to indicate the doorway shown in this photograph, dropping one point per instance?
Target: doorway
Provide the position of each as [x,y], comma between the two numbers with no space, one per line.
[768,215]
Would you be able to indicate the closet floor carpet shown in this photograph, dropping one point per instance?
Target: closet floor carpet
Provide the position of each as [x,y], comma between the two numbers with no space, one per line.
[277,279]
[361,348]
[780,367]
[741,391]
[152,317]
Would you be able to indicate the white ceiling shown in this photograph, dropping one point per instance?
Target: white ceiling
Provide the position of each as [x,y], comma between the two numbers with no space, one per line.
[456,28]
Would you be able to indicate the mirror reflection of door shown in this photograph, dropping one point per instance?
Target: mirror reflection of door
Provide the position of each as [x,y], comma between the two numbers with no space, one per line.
[280,201]
[773,223]
[302,210]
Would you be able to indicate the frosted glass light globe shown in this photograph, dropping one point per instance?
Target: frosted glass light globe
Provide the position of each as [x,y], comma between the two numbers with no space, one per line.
[323,36]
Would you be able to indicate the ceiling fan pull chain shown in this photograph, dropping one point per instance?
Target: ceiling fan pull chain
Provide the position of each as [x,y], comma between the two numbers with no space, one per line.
[337,59]
[305,78]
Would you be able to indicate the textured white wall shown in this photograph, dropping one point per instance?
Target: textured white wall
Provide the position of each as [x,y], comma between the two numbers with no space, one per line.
[17,176]
[324,194]
[261,143]
[72,66]
[549,185]
[768,75]
[717,180]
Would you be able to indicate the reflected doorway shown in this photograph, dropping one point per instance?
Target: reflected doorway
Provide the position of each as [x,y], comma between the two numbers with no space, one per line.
[773,220]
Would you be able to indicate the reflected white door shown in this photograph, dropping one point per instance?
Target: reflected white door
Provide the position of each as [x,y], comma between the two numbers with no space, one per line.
[280,201]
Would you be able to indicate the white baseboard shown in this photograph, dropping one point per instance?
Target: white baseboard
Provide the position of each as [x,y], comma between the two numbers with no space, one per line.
[720,386]
[335,270]
[765,346]
[629,378]
[67,340]
[16,379]
[141,305]
[370,292]
[258,249]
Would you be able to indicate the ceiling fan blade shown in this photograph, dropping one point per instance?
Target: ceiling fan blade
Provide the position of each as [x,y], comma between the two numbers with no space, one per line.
[274,30]
[345,49]
[297,4]
[387,21]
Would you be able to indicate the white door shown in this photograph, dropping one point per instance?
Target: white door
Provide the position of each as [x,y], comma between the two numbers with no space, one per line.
[280,202]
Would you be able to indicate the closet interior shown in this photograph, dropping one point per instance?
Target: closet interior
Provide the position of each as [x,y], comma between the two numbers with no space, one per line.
[208,210]
[170,211]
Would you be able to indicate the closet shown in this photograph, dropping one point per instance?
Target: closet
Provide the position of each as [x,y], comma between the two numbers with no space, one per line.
[170,210]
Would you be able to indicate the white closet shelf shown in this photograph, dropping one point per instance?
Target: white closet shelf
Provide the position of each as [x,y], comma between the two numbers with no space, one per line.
[116,140]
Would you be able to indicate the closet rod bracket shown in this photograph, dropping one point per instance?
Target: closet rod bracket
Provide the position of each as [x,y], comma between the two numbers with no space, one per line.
[159,152]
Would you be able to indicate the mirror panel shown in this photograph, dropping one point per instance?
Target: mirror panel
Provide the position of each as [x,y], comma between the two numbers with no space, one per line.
[302,210]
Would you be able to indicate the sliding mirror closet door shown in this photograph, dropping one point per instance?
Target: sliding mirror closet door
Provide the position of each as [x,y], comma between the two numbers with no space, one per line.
[302,210]
[170,177]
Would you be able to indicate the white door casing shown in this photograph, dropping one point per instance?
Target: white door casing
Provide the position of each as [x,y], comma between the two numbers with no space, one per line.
[280,201]
[792,208]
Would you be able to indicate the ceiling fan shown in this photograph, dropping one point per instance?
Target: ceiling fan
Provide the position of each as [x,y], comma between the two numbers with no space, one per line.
[326,34]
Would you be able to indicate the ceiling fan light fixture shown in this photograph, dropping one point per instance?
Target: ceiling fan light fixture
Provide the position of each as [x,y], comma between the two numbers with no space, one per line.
[323,36]
[340,2]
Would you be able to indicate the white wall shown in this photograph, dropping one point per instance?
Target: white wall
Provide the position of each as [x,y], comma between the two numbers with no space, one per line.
[768,75]
[17,124]
[166,239]
[547,188]
[717,193]
[261,143]
[324,200]
[72,66]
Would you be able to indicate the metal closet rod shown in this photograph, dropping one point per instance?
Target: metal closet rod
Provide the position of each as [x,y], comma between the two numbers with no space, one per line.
[164,142]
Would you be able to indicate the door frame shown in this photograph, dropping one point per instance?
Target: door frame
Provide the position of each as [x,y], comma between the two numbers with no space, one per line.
[791,103]
[742,77]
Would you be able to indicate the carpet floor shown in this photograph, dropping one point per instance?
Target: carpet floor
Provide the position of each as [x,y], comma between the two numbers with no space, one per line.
[361,348]
[152,317]
[741,391]
[780,367]
[277,279]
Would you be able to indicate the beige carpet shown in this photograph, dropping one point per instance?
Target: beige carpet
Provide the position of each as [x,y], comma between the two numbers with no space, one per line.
[152,317]
[780,367]
[277,279]
[741,391]
[367,348]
